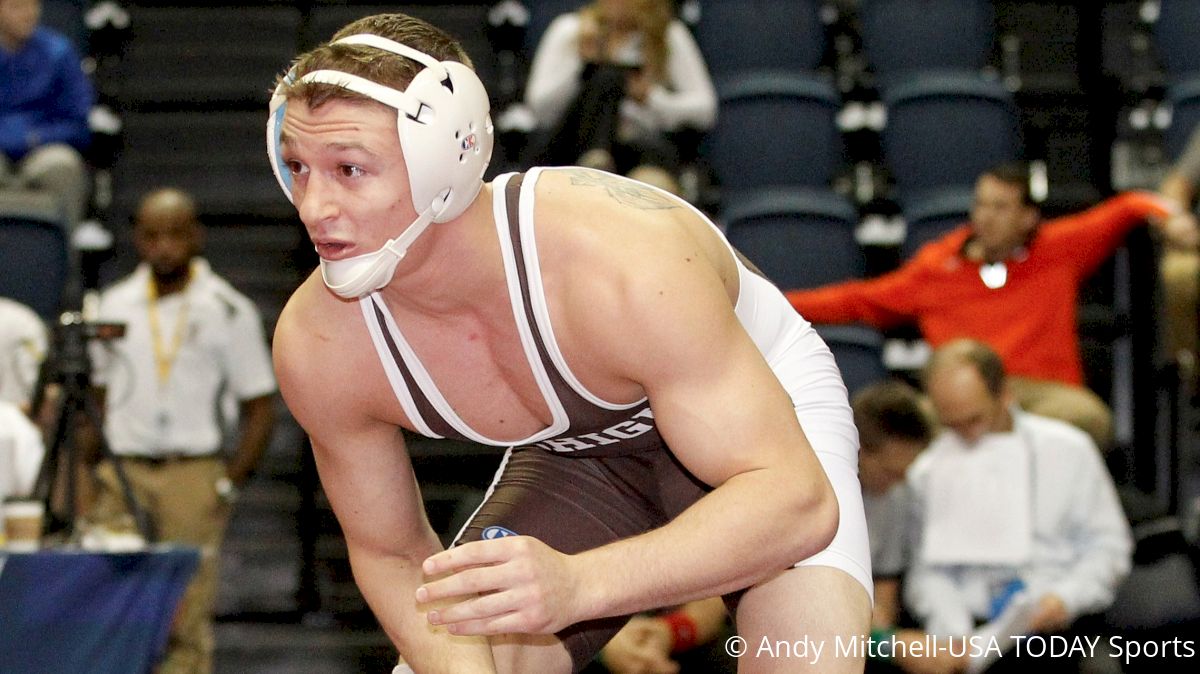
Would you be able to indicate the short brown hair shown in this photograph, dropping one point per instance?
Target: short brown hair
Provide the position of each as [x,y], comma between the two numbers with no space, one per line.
[977,355]
[382,67]
[890,409]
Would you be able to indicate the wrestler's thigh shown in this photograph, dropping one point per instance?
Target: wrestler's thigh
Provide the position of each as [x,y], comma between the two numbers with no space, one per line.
[785,619]
[571,505]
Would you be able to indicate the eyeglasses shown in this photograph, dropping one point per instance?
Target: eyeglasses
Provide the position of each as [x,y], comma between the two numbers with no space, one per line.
[994,274]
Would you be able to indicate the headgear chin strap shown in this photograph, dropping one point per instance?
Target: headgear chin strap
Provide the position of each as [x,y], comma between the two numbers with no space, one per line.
[445,133]
[363,274]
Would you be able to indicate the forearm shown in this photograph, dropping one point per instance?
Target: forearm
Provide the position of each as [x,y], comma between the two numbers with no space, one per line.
[771,519]
[389,582]
[257,423]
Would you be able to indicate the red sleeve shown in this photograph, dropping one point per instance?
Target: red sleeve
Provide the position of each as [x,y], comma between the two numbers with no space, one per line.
[1088,238]
[883,301]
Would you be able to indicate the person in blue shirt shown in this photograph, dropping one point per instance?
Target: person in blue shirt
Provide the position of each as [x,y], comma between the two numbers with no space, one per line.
[45,98]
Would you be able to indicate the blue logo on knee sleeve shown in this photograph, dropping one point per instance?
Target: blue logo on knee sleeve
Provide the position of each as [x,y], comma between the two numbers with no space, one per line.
[496,532]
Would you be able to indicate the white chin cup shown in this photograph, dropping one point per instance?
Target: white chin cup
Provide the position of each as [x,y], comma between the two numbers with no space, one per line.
[364,274]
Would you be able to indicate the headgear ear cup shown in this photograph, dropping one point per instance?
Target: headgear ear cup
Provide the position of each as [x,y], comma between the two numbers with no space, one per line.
[448,144]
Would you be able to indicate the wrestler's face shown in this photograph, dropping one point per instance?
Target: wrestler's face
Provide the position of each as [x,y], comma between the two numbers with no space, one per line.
[1000,219]
[880,468]
[18,20]
[349,180]
[965,405]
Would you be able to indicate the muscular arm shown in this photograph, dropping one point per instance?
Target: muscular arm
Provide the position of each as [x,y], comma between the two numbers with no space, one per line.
[727,419]
[366,474]
[655,314]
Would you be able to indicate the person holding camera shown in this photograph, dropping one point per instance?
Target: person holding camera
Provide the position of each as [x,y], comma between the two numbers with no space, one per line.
[613,84]
[190,342]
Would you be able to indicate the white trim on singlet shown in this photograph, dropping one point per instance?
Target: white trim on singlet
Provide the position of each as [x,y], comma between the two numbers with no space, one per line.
[537,298]
[390,367]
[424,381]
[560,422]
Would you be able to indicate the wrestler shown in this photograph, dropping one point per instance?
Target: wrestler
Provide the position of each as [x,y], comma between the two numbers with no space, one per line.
[674,429]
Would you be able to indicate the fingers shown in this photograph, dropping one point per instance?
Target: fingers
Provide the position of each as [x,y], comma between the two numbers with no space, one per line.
[470,554]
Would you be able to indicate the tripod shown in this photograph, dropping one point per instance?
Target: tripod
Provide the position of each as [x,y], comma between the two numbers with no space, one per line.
[69,366]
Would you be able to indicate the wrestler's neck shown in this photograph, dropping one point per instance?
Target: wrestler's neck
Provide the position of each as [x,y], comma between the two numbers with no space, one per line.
[453,266]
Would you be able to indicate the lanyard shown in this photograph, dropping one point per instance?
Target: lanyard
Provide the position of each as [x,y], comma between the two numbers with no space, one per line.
[164,357]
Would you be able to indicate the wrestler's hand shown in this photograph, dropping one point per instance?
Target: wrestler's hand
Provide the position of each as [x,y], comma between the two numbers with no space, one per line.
[510,585]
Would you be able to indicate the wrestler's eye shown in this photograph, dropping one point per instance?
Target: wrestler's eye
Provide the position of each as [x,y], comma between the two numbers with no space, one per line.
[295,168]
[350,170]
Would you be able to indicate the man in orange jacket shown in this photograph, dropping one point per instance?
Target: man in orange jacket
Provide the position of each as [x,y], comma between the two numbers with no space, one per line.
[1011,280]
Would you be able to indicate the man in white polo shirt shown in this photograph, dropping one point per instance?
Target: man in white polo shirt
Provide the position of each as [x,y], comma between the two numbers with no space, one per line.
[191,341]
[22,347]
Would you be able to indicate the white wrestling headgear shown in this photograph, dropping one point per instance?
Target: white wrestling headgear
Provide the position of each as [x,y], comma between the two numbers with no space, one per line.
[446,135]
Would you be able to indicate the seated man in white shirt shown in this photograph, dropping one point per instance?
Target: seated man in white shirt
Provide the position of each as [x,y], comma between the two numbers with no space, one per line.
[23,345]
[1017,522]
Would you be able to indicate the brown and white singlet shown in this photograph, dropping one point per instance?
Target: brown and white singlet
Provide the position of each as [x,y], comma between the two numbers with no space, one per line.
[601,472]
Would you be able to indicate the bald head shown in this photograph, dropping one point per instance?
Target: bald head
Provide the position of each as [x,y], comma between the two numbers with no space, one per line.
[166,233]
[966,383]
[167,203]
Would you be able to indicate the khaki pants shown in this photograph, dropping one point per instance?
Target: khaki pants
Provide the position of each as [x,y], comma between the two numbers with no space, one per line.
[56,169]
[1075,405]
[1180,272]
[181,498]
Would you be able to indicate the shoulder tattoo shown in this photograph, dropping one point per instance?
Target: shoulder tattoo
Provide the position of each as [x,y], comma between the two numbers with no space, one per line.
[626,192]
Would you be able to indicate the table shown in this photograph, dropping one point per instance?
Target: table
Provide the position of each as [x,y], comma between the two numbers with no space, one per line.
[64,611]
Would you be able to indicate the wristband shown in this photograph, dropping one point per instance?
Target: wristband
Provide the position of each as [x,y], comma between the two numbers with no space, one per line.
[683,630]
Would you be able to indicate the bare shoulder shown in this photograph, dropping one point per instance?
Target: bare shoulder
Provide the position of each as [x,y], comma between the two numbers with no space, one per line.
[620,230]
[323,354]
[625,263]
[582,183]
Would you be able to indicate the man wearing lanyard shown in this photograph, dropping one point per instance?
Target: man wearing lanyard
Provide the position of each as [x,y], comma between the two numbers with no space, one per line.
[192,344]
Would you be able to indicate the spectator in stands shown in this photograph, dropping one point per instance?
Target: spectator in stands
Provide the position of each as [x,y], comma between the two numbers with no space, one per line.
[894,426]
[1016,518]
[43,110]
[615,85]
[1009,280]
[21,451]
[190,340]
[1180,263]
[22,347]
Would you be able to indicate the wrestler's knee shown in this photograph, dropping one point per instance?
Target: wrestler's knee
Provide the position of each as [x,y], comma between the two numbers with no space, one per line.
[518,653]
[815,607]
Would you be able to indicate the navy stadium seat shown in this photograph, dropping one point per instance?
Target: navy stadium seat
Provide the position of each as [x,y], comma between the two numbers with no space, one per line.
[858,351]
[750,35]
[34,261]
[1184,99]
[799,238]
[930,215]
[775,129]
[946,128]
[1175,38]
[901,37]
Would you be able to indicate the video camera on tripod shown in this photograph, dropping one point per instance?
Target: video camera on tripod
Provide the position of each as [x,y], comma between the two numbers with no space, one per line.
[65,382]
